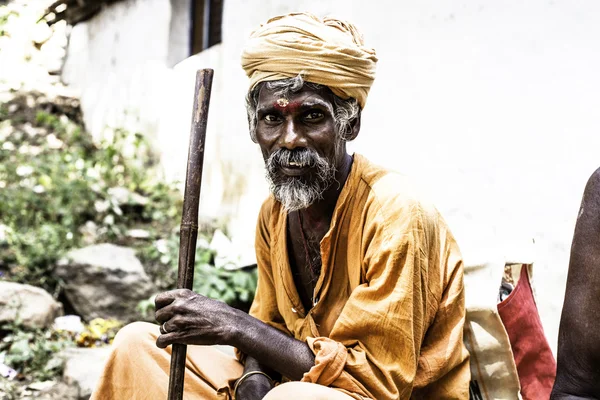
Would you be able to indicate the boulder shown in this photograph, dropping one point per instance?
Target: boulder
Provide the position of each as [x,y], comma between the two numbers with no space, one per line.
[29,305]
[105,281]
[43,391]
[83,367]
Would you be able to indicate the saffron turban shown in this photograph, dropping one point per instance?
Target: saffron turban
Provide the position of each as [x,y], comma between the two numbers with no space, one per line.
[326,51]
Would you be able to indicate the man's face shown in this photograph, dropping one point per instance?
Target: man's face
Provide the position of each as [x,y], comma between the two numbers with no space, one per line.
[297,136]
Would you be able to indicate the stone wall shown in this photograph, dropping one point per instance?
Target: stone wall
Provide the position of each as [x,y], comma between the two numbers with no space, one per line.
[492,107]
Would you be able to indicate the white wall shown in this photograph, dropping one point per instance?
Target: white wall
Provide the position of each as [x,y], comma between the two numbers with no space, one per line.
[118,60]
[180,31]
[491,106]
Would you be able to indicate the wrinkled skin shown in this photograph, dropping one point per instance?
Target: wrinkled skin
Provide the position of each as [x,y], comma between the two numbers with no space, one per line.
[192,319]
[578,361]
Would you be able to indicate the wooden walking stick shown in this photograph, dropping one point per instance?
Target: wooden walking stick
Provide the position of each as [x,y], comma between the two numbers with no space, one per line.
[189,219]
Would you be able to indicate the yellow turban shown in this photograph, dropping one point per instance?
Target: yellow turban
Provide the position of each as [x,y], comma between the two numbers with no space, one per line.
[326,51]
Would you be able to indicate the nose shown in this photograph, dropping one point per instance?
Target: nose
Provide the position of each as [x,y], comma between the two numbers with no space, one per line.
[291,137]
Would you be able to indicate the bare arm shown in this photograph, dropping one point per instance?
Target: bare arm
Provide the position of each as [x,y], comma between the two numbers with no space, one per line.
[270,347]
[578,364]
[191,318]
[255,386]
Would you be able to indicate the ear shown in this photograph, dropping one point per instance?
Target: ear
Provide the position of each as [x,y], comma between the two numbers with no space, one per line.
[354,128]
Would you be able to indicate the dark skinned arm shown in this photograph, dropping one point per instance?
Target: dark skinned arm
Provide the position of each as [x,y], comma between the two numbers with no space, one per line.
[255,386]
[194,319]
[578,361]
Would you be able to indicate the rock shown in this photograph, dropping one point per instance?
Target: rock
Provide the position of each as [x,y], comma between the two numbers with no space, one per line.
[123,196]
[105,281]
[58,391]
[31,306]
[138,234]
[41,386]
[83,367]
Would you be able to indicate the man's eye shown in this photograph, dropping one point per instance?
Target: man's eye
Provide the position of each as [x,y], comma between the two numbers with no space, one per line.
[314,115]
[270,118]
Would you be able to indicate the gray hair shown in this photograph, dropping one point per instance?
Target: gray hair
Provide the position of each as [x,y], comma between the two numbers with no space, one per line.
[344,110]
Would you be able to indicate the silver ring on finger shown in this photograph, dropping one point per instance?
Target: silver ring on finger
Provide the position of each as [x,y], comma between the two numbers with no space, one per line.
[163,330]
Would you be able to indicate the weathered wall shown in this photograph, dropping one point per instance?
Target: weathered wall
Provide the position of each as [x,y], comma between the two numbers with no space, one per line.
[492,107]
[119,58]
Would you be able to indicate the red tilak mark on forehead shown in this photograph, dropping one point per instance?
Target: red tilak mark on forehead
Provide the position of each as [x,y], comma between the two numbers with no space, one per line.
[286,105]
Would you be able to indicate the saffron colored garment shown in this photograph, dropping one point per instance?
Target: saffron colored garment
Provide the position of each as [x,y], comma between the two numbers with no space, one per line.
[388,315]
[388,319]
[138,370]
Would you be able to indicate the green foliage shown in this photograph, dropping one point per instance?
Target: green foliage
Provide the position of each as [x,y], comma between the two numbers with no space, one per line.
[5,15]
[34,353]
[54,179]
[230,286]
[235,287]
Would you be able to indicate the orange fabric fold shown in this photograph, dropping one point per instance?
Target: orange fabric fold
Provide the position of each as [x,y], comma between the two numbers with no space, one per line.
[329,362]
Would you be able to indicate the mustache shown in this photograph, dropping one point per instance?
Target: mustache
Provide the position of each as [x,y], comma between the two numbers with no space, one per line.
[298,157]
[296,193]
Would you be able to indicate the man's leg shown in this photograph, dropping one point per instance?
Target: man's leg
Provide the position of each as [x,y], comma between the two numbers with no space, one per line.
[578,371]
[138,370]
[305,391]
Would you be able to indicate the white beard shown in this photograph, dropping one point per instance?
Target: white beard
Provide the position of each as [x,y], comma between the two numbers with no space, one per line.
[296,193]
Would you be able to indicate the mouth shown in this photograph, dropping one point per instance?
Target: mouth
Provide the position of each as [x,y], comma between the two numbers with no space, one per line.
[294,168]
[294,164]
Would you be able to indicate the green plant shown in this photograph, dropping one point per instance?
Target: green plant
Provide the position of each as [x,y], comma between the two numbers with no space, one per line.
[235,287]
[230,286]
[55,181]
[34,353]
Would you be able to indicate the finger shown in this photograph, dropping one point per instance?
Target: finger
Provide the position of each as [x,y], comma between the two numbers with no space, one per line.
[166,340]
[164,314]
[169,338]
[188,338]
[164,299]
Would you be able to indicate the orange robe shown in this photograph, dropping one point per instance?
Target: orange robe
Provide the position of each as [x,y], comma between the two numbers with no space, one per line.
[387,322]
[388,314]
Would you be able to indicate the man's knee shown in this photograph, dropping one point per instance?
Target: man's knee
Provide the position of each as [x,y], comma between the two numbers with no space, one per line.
[289,390]
[304,391]
[136,334]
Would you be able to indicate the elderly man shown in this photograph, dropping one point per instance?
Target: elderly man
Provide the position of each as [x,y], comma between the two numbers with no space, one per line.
[578,367]
[360,291]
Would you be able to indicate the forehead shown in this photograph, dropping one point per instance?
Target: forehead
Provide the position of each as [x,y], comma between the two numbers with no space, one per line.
[269,97]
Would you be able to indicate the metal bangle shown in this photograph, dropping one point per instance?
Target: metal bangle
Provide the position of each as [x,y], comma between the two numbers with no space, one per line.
[247,374]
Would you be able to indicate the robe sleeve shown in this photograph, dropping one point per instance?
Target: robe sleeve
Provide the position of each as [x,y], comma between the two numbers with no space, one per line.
[374,347]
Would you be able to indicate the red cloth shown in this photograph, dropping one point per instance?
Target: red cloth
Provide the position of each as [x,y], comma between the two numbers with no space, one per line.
[534,360]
